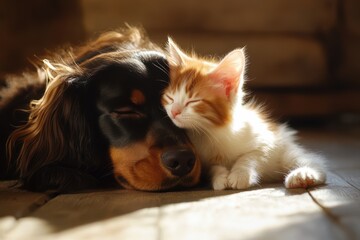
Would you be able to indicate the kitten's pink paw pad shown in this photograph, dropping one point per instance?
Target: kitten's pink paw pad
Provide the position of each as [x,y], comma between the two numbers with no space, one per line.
[304,177]
[238,180]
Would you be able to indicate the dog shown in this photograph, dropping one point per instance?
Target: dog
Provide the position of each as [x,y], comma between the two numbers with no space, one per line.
[98,120]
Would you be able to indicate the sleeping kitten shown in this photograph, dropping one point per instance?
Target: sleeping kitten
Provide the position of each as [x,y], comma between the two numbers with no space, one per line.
[239,145]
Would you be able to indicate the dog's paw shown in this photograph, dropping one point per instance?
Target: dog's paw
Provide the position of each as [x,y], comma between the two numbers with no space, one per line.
[238,180]
[219,177]
[304,177]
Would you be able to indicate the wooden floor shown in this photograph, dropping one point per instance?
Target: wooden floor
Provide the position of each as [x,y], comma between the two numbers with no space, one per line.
[268,212]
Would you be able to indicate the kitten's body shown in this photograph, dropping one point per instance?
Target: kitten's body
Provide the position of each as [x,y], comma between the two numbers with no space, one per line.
[236,141]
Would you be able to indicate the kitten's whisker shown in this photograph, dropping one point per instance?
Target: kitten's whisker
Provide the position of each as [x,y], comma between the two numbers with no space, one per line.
[213,140]
[196,128]
[211,136]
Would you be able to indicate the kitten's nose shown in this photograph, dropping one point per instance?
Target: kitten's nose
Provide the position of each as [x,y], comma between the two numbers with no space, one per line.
[175,111]
[180,162]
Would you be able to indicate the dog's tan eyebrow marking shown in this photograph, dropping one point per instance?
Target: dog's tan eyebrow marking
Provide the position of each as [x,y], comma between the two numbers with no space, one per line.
[137,97]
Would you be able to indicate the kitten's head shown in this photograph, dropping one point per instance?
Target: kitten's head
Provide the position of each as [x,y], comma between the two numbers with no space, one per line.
[203,93]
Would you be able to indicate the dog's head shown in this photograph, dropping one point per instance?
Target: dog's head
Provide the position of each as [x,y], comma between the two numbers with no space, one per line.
[147,151]
[104,110]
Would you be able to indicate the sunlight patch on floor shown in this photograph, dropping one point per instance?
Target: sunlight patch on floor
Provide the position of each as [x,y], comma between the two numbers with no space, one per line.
[247,214]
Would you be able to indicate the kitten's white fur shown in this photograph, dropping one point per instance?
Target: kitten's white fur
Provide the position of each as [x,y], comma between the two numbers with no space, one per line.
[249,149]
[241,158]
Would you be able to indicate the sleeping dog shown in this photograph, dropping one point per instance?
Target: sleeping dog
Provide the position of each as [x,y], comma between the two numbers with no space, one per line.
[98,115]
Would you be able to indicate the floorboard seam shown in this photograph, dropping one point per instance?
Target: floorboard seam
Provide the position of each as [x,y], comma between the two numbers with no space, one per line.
[347,181]
[36,205]
[32,208]
[334,218]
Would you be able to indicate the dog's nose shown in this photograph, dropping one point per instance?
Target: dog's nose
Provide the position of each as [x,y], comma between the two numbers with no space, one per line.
[180,161]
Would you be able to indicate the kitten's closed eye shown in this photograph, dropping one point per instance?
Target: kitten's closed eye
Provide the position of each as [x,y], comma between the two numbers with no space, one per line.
[192,101]
[169,99]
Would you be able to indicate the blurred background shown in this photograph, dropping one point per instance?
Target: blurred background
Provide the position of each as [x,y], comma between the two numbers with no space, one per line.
[303,55]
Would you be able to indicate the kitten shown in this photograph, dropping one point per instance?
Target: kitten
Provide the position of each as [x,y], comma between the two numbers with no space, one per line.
[239,145]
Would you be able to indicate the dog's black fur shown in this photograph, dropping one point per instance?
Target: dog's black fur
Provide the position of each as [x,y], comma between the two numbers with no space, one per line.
[99,103]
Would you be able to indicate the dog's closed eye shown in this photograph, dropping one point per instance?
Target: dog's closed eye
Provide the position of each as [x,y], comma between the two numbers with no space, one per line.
[126,112]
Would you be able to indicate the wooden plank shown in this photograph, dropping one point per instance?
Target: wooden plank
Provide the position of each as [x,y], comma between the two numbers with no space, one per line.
[269,213]
[8,184]
[87,208]
[15,203]
[341,198]
[351,211]
[198,214]
[351,176]
[341,202]
[340,148]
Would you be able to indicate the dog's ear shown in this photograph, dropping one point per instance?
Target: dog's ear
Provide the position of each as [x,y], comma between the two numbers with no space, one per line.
[56,134]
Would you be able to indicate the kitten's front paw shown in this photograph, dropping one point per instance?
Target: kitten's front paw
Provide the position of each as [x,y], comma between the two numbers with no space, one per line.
[238,180]
[219,177]
[304,177]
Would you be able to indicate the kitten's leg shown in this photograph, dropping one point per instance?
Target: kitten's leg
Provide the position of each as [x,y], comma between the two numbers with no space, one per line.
[243,173]
[219,175]
[307,169]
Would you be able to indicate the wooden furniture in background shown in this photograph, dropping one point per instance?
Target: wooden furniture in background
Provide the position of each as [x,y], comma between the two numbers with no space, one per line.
[303,55]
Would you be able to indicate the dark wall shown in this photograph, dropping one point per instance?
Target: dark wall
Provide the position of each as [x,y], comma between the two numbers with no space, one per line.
[29,28]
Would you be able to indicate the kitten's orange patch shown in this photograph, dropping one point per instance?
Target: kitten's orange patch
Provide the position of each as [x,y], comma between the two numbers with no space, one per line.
[193,77]
[165,100]
[214,110]
[190,74]
[137,97]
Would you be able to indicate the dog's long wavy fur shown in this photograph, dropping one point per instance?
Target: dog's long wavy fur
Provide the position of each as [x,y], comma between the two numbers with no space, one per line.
[50,121]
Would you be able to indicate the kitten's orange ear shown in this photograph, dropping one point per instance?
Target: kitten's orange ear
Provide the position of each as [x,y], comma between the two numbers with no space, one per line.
[229,73]
[176,56]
